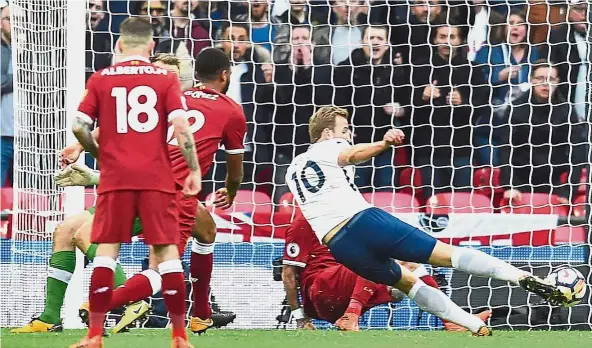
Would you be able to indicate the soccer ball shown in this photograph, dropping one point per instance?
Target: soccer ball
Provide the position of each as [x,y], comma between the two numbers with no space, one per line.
[570,282]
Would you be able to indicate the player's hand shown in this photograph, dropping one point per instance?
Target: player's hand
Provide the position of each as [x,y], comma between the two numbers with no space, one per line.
[70,154]
[192,184]
[223,199]
[394,137]
[305,324]
[74,175]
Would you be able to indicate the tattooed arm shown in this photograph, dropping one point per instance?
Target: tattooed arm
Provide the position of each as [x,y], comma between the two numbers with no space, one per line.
[186,143]
[83,132]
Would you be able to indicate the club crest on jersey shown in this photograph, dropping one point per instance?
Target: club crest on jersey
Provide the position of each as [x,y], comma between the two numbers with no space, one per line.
[293,250]
[433,223]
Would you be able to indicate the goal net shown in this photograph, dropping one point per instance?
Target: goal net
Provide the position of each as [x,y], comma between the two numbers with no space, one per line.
[493,100]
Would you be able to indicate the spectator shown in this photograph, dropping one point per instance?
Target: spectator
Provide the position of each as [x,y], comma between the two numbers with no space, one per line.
[6,108]
[263,28]
[245,78]
[507,68]
[545,138]
[299,12]
[371,85]
[572,56]
[414,38]
[485,28]
[213,12]
[336,41]
[184,26]
[98,44]
[447,98]
[156,10]
[294,89]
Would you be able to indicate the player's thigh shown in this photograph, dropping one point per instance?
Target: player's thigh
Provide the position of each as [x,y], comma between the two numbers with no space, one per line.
[64,232]
[82,236]
[204,228]
[114,217]
[158,212]
[362,259]
[406,281]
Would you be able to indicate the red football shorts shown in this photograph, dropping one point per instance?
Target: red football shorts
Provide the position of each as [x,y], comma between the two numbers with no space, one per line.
[330,292]
[187,213]
[116,211]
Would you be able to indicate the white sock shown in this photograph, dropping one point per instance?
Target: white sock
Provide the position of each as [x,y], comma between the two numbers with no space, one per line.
[155,280]
[480,264]
[436,302]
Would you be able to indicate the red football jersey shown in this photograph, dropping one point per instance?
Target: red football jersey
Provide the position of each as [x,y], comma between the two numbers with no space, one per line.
[132,102]
[304,250]
[214,119]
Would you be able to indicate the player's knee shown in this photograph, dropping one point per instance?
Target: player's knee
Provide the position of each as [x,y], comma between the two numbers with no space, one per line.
[442,255]
[64,233]
[406,281]
[204,229]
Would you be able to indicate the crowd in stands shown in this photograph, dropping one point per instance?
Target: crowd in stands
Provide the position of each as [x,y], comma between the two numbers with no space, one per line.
[472,83]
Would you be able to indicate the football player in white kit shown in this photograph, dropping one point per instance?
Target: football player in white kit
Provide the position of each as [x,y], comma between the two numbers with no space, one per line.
[367,239]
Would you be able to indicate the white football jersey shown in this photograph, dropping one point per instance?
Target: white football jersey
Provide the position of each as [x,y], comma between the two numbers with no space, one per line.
[325,192]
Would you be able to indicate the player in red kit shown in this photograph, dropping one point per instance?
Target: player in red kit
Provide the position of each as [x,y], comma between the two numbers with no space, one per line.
[215,120]
[329,290]
[133,103]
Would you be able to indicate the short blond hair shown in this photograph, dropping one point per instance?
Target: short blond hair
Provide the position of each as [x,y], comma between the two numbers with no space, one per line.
[168,59]
[324,118]
[135,32]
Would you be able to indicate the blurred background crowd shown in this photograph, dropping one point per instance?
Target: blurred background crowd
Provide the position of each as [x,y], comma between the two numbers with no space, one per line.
[472,83]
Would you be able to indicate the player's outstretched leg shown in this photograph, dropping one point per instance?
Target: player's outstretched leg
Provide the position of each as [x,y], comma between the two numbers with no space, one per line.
[480,264]
[61,266]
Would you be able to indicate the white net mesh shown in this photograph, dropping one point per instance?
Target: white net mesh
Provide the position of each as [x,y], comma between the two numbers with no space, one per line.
[463,80]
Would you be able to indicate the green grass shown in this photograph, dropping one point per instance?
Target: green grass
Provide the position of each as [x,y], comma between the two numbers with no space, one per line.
[309,339]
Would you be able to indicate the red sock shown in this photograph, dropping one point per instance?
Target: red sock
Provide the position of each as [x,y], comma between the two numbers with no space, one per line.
[101,289]
[135,289]
[430,281]
[173,292]
[202,260]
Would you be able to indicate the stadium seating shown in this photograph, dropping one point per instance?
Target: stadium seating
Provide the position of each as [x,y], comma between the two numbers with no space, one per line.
[487,181]
[6,198]
[583,180]
[459,202]
[410,182]
[535,203]
[393,202]
[579,206]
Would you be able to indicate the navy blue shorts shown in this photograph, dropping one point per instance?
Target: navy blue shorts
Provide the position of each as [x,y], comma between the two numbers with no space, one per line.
[373,238]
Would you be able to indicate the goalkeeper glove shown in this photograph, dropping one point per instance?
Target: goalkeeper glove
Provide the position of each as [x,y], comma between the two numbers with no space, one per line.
[77,175]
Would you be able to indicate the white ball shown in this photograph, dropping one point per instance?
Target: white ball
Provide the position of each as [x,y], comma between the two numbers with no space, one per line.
[571,283]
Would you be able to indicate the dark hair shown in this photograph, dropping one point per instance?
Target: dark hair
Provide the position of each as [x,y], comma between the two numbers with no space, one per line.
[135,31]
[541,63]
[227,25]
[209,63]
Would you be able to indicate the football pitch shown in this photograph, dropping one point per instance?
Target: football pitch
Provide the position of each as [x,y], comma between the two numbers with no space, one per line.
[311,339]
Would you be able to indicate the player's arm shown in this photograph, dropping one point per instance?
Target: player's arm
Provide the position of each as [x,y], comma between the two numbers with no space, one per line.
[233,140]
[361,153]
[289,273]
[82,129]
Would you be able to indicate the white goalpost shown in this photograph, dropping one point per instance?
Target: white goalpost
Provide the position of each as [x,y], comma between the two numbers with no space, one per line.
[50,62]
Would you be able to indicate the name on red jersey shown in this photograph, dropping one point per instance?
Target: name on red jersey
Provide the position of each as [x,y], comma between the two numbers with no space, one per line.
[201,95]
[133,70]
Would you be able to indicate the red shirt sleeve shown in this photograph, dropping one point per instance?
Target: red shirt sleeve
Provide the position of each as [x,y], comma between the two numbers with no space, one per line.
[88,110]
[234,133]
[298,243]
[175,101]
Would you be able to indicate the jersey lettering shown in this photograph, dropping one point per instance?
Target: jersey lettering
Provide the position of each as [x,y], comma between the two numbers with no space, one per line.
[313,188]
[196,121]
[131,118]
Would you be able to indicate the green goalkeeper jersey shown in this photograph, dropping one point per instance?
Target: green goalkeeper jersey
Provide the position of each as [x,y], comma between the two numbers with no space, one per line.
[136,229]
